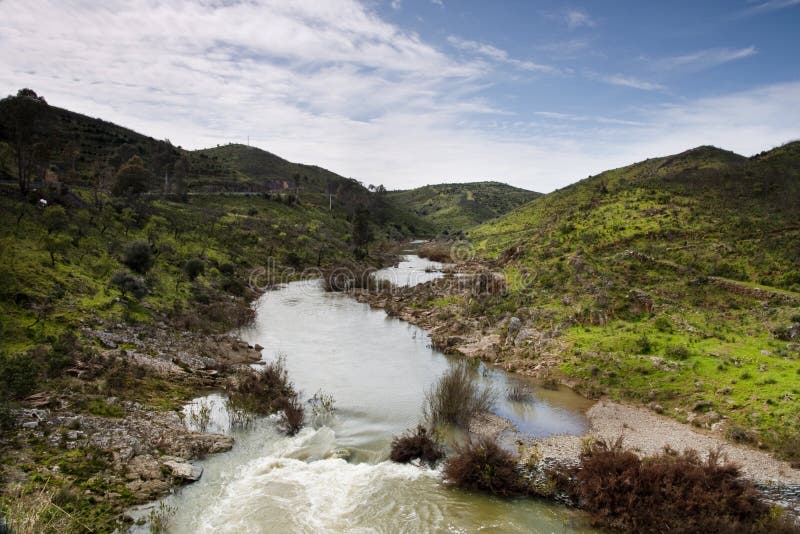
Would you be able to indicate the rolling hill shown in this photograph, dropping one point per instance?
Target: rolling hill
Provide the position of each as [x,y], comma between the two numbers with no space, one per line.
[452,208]
[672,283]
[82,151]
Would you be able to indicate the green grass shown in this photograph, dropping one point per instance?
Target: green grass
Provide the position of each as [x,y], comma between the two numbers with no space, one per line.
[627,264]
[452,208]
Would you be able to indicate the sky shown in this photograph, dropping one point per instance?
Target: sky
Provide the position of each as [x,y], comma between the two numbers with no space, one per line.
[408,92]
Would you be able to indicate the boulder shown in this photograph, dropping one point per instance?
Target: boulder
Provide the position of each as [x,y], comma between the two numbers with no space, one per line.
[184,470]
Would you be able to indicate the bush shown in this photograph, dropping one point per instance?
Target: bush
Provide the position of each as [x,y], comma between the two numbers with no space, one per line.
[436,251]
[19,375]
[261,390]
[482,465]
[518,393]
[293,413]
[670,492]
[456,398]
[662,324]
[139,256]
[194,268]
[415,444]
[643,344]
[127,282]
[677,352]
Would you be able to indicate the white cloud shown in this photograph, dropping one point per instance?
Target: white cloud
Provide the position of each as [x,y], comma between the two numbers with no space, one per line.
[628,81]
[770,5]
[576,18]
[397,4]
[704,59]
[439,3]
[498,55]
[330,83]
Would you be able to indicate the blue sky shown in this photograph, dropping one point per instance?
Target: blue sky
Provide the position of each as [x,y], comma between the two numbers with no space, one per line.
[408,92]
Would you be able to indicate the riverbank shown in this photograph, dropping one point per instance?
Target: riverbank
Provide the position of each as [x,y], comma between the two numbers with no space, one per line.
[509,343]
[648,433]
[113,436]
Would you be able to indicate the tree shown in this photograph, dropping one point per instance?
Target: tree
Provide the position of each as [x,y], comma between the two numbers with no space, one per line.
[139,256]
[56,244]
[361,232]
[194,268]
[180,174]
[54,219]
[127,282]
[132,179]
[25,110]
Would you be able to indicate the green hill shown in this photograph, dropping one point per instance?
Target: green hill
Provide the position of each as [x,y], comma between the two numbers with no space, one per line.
[81,151]
[60,254]
[455,207]
[674,281]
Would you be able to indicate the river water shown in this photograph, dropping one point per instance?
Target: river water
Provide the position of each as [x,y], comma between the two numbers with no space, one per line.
[334,475]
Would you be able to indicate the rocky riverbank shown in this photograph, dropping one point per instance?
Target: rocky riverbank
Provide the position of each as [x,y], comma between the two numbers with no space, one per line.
[509,344]
[114,435]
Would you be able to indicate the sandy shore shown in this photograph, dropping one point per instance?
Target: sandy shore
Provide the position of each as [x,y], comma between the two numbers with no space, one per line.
[648,433]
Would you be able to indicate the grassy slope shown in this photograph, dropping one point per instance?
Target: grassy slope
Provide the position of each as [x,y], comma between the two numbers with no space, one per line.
[630,264]
[456,207]
[242,231]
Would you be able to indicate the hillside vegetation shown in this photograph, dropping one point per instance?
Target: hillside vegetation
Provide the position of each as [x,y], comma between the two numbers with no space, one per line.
[66,147]
[674,282]
[452,208]
[116,283]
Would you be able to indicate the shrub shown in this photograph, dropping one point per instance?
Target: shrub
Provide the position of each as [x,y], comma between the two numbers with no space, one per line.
[456,398]
[677,352]
[19,374]
[293,413]
[518,393]
[482,465]
[194,268]
[322,404]
[643,344]
[7,419]
[101,408]
[415,444]
[128,282]
[662,324]
[138,256]
[670,492]
[259,390]
[65,351]
[435,251]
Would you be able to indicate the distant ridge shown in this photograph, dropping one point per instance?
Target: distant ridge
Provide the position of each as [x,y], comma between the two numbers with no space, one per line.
[455,207]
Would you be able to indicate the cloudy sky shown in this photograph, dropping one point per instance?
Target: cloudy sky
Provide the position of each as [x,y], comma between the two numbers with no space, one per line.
[406,92]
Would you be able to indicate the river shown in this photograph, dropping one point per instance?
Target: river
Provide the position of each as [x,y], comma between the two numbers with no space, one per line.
[334,475]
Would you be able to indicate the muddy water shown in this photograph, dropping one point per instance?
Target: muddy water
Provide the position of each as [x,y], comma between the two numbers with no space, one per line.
[333,476]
